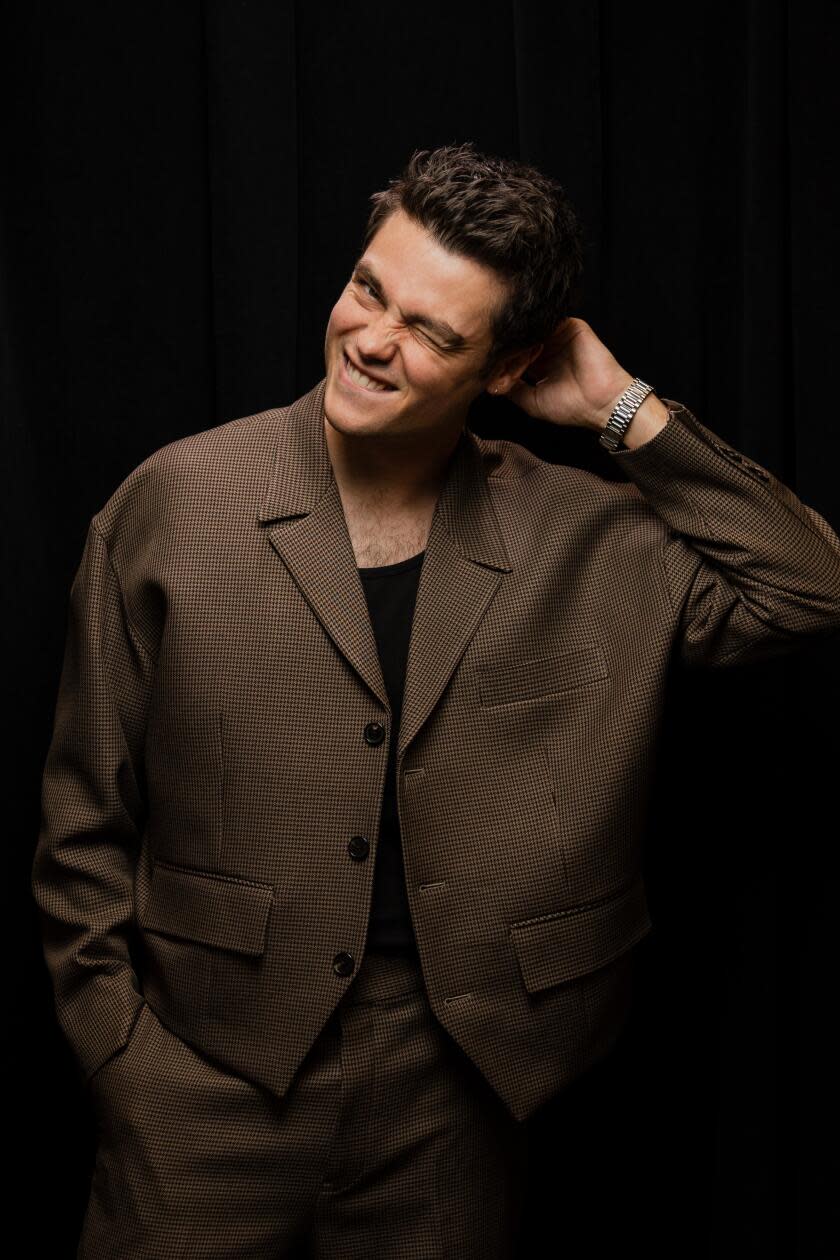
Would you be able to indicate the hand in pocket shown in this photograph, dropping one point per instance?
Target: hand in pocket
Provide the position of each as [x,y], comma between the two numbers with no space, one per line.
[119,1057]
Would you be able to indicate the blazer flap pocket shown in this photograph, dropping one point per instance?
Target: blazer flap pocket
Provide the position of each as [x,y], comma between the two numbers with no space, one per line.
[211,909]
[557,947]
[528,680]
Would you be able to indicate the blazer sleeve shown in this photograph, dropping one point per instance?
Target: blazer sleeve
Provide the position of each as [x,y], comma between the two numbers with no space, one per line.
[751,571]
[92,811]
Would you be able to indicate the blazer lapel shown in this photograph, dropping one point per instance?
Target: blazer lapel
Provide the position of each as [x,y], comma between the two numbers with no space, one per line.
[464,564]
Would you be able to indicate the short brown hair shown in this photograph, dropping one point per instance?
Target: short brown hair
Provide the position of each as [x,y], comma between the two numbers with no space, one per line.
[501,213]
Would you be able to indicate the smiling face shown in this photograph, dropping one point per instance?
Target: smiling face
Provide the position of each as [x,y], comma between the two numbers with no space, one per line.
[415,317]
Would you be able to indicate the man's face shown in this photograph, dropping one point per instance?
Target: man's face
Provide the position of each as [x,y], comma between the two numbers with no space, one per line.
[403,279]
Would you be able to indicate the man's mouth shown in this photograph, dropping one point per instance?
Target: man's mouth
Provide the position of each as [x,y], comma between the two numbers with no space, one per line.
[361,381]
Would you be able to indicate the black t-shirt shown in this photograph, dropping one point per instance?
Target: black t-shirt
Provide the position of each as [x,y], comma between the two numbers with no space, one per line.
[391,592]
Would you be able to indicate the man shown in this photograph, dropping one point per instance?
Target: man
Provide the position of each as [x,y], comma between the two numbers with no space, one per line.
[339,867]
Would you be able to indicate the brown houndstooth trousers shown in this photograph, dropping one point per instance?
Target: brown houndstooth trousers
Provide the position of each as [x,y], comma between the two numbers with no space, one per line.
[389,1144]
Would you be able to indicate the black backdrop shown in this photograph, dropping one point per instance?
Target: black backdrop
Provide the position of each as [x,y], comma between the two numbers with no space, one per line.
[184,189]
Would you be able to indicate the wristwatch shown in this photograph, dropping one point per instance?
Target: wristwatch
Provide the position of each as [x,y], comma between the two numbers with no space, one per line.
[623,412]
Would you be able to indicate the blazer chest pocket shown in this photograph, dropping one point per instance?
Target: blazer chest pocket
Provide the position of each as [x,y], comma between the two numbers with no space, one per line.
[554,948]
[209,909]
[576,666]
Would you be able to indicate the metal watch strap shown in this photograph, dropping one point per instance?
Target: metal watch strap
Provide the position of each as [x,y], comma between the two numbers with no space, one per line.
[623,412]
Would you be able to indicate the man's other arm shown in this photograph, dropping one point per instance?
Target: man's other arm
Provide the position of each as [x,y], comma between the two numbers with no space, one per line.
[92,813]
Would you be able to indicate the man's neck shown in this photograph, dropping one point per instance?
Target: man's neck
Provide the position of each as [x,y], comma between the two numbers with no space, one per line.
[403,481]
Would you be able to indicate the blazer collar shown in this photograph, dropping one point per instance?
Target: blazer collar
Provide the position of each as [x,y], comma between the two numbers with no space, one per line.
[464,564]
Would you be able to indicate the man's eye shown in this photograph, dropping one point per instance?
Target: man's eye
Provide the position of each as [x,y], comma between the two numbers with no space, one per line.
[365,284]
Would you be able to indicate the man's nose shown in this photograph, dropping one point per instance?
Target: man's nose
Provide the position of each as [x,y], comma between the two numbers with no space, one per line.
[375,340]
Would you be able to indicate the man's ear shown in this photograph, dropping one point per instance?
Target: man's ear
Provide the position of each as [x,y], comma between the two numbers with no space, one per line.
[533,354]
[519,364]
[514,368]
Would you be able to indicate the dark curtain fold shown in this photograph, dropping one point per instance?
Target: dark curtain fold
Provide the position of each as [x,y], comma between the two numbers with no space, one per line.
[184,189]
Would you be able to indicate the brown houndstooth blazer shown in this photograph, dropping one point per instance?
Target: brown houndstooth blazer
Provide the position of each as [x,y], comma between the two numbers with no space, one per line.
[216,737]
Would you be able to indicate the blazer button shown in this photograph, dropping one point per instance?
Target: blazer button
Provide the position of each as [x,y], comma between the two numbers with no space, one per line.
[344,963]
[374,733]
[358,847]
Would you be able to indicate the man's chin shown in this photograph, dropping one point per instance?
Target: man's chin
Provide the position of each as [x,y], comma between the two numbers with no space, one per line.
[351,414]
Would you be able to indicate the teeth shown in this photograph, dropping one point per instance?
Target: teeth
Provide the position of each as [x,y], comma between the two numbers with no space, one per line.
[363,380]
